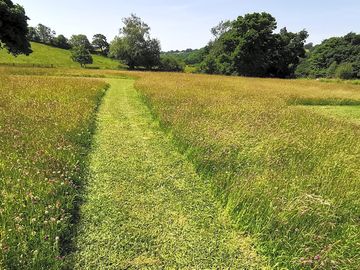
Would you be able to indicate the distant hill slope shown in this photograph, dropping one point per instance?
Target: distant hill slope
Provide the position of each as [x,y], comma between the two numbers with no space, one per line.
[44,55]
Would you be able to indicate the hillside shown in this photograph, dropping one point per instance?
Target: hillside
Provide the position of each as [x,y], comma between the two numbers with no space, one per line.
[44,55]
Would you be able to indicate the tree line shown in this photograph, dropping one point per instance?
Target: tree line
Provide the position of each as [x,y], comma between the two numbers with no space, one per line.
[336,57]
[247,46]
[44,34]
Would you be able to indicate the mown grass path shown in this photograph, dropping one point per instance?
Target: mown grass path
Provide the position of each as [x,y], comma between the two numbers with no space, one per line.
[145,206]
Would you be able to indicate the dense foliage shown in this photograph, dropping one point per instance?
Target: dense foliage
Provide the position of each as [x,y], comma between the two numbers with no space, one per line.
[248,46]
[188,56]
[134,46]
[81,55]
[171,63]
[99,43]
[44,34]
[80,41]
[289,175]
[334,57]
[13,28]
[45,134]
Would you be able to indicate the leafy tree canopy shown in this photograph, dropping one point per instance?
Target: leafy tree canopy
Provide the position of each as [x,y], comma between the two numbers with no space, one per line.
[170,63]
[45,34]
[248,46]
[100,43]
[134,45]
[61,42]
[80,41]
[13,28]
[81,55]
[334,52]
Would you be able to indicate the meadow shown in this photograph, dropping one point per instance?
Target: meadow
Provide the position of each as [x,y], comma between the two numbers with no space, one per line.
[45,133]
[287,173]
[282,157]
[47,56]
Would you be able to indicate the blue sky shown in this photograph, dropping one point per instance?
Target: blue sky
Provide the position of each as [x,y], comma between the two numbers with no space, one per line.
[186,24]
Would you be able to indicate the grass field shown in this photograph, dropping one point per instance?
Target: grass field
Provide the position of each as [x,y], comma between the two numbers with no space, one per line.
[282,156]
[45,132]
[48,56]
[288,175]
[145,207]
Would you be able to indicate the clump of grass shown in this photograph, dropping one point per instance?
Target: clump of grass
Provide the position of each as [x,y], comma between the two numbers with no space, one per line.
[287,175]
[45,132]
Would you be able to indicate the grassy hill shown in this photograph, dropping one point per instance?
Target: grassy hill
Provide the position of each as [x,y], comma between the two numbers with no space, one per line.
[44,55]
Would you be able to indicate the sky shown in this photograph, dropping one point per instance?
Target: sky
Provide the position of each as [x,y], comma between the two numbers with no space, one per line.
[186,24]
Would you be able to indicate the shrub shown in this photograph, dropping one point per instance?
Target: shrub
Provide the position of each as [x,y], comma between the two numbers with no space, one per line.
[331,71]
[345,71]
[170,63]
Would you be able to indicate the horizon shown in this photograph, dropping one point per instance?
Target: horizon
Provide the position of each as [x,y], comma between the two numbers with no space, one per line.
[185,25]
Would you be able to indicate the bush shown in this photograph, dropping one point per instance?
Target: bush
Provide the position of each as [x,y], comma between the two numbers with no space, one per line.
[331,71]
[345,71]
[170,63]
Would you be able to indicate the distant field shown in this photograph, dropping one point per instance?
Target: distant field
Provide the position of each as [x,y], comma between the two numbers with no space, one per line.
[288,174]
[45,132]
[44,55]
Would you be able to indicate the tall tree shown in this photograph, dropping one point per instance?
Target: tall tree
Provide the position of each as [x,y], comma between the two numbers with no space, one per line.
[46,35]
[134,46]
[248,46]
[13,28]
[80,41]
[81,55]
[61,42]
[100,43]
[33,34]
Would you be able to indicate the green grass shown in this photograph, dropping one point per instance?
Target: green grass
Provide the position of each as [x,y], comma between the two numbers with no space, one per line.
[343,113]
[288,175]
[45,132]
[48,56]
[146,208]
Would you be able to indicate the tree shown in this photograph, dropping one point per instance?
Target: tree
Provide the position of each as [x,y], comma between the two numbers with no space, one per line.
[80,41]
[134,45]
[61,42]
[170,63]
[81,55]
[342,50]
[13,28]
[309,46]
[248,46]
[100,43]
[46,35]
[220,29]
[33,34]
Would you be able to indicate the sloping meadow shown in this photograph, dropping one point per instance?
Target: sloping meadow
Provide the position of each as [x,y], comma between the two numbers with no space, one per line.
[45,133]
[288,175]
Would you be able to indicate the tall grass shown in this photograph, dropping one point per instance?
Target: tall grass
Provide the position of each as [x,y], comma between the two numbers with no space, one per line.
[287,175]
[45,132]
